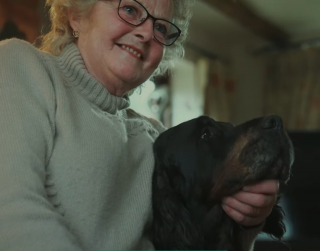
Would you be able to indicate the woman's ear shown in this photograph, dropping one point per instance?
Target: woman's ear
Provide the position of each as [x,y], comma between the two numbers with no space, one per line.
[74,20]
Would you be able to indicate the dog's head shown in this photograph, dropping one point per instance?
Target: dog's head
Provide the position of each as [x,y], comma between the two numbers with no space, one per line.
[208,160]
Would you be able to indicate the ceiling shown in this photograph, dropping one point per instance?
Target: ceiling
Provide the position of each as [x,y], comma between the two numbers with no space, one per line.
[209,27]
[299,18]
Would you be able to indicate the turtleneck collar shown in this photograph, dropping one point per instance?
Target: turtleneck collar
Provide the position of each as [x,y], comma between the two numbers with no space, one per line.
[71,64]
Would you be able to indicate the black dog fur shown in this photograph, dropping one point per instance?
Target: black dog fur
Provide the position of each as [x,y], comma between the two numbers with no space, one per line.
[201,161]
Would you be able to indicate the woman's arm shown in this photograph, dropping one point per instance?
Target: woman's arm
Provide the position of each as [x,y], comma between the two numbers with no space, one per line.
[27,110]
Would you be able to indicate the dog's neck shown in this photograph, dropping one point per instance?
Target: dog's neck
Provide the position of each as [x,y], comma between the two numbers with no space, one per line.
[226,228]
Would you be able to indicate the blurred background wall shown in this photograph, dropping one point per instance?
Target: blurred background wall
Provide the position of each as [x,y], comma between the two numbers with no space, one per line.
[244,59]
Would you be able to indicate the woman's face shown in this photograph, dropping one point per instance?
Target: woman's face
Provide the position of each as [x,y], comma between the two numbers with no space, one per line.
[105,38]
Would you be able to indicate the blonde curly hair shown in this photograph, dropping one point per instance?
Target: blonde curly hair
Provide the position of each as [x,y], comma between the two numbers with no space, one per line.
[60,34]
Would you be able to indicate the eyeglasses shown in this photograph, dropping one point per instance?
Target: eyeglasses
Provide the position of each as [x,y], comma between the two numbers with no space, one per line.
[135,14]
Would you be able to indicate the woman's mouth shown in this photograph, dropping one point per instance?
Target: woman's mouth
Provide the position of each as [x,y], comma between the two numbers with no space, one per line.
[133,51]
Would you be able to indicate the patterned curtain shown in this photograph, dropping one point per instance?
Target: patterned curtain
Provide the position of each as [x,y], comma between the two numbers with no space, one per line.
[292,88]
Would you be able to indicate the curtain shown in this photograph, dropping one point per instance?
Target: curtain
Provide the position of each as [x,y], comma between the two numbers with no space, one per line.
[292,88]
[219,91]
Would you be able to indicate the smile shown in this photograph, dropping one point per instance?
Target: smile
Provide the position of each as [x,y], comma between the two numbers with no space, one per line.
[131,50]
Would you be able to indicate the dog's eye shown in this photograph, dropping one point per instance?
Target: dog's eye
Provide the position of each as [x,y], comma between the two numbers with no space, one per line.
[207,134]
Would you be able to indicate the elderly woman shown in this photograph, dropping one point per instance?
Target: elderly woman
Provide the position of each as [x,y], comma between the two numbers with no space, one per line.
[76,162]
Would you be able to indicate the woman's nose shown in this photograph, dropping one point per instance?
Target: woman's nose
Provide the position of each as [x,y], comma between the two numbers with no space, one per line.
[145,30]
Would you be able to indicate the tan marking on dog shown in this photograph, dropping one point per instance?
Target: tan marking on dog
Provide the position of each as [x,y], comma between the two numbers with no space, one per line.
[230,168]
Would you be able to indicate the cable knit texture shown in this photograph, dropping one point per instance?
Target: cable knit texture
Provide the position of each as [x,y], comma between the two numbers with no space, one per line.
[76,162]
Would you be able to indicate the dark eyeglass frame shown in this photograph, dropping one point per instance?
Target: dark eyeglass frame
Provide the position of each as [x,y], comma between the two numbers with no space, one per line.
[154,19]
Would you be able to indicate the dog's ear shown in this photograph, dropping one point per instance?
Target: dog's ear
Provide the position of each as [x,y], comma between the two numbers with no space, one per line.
[169,171]
[274,224]
[172,225]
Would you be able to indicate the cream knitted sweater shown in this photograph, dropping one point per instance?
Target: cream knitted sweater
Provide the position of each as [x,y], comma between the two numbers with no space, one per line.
[75,162]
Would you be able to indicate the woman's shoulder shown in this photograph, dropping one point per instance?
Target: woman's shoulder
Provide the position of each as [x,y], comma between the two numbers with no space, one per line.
[22,55]
[22,66]
[19,51]
[15,46]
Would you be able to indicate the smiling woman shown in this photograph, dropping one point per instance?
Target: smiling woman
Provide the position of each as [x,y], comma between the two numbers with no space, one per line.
[76,162]
[82,178]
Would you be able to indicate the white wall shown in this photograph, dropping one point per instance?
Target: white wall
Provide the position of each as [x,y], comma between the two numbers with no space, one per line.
[187,89]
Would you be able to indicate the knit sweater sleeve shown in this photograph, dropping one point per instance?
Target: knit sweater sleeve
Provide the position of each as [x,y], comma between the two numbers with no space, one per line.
[27,111]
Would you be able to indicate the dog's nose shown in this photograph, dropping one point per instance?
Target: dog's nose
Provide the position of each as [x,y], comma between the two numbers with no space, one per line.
[272,122]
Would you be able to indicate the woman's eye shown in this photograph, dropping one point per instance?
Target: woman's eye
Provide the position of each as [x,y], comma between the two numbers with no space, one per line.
[161,28]
[130,10]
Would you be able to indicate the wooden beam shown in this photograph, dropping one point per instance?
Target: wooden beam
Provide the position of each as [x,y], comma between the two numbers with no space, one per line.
[237,10]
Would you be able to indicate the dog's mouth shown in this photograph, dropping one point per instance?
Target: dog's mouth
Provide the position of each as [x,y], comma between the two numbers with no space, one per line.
[257,155]
[229,181]
[282,167]
[275,158]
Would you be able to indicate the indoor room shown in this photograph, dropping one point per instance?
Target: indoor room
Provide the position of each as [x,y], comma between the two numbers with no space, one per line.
[243,59]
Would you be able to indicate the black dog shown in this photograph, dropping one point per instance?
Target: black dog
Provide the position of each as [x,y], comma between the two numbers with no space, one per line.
[201,161]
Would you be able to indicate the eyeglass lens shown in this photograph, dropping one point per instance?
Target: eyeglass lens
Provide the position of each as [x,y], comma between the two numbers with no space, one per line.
[134,13]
